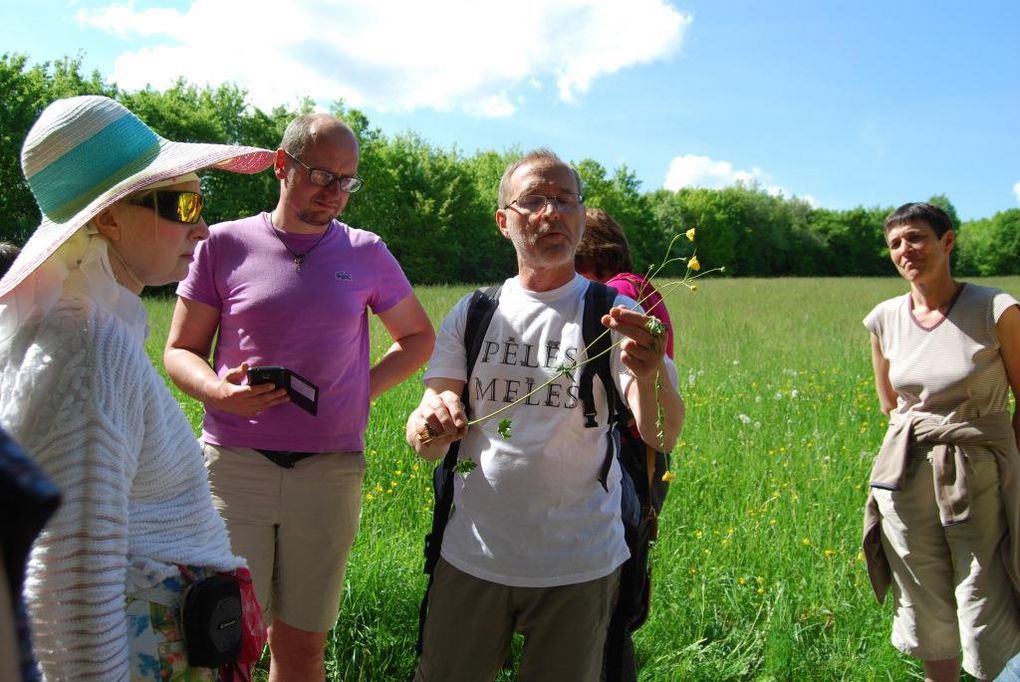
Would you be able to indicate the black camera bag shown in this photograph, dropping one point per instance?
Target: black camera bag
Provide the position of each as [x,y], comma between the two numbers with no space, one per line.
[212,621]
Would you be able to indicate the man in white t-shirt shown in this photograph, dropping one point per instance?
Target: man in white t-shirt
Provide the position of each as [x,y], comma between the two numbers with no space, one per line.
[535,541]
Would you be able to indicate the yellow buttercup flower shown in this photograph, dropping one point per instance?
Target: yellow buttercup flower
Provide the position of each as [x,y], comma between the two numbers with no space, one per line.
[668,477]
[690,234]
[693,263]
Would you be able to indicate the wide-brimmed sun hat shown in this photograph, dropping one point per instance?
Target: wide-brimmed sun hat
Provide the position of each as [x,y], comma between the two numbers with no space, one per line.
[86,153]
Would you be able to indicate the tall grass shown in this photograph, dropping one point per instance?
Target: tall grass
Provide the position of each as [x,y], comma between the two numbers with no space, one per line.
[757,569]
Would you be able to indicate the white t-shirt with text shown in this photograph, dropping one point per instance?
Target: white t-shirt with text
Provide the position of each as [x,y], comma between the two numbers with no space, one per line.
[532,513]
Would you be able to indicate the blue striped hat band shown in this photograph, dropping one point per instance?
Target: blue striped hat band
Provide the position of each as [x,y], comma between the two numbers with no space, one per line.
[80,162]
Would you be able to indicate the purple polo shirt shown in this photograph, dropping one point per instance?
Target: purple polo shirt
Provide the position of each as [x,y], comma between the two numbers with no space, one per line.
[313,321]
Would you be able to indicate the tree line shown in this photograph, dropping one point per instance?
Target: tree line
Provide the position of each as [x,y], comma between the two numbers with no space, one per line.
[434,206]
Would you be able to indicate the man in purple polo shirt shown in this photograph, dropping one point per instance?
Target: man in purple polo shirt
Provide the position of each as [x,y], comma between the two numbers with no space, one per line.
[292,289]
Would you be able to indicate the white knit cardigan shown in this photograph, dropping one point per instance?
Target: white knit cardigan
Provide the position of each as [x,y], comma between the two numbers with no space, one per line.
[80,394]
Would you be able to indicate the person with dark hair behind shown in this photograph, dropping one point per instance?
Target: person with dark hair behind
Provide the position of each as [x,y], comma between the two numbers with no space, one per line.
[943,512]
[603,255]
[8,253]
[27,500]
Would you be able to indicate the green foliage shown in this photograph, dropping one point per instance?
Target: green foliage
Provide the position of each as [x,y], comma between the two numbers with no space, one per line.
[504,428]
[991,246]
[435,207]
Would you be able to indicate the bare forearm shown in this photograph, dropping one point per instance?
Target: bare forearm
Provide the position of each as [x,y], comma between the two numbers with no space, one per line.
[191,373]
[402,359]
[645,400]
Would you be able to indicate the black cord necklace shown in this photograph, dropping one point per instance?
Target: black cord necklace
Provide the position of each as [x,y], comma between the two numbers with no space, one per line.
[298,257]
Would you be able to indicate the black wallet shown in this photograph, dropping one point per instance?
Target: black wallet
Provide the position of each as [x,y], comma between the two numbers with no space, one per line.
[301,391]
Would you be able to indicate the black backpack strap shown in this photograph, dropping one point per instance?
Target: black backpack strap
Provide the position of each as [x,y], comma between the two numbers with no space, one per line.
[480,311]
[598,300]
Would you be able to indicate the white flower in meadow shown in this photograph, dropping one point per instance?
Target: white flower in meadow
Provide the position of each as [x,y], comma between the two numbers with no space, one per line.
[692,376]
[794,393]
[778,395]
[757,425]
[744,419]
[736,362]
[757,398]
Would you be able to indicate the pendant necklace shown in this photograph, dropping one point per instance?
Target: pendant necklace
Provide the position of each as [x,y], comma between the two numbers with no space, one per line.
[298,257]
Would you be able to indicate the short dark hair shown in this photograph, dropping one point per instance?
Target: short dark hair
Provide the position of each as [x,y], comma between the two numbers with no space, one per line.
[930,213]
[603,250]
[534,155]
[8,253]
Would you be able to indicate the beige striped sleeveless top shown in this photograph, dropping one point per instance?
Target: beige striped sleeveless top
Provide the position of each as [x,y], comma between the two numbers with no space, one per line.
[953,369]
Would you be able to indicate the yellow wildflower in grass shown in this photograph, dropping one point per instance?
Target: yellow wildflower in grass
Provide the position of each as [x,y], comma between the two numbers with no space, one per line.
[369,497]
[690,234]
[806,542]
[829,552]
[693,263]
[668,477]
[741,581]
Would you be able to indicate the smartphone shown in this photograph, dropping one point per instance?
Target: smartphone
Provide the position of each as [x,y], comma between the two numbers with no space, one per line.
[277,376]
[301,391]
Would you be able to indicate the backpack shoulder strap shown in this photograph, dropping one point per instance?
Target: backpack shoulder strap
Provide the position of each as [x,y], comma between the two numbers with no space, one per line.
[480,311]
[598,300]
[481,308]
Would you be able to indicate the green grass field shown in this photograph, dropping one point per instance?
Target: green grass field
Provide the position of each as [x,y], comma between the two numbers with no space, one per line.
[757,569]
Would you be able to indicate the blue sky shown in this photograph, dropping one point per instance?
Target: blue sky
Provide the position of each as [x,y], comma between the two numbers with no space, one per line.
[843,104]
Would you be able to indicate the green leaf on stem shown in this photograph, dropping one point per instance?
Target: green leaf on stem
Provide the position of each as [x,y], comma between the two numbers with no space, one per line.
[504,428]
[655,327]
[464,466]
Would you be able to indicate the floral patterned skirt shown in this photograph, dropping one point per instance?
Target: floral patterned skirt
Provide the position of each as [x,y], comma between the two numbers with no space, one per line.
[155,636]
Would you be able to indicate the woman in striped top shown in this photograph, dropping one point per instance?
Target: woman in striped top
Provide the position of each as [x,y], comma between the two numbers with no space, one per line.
[121,210]
[944,508]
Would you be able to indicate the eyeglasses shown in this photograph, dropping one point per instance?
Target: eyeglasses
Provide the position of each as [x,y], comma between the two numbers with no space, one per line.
[323,178]
[176,205]
[534,203]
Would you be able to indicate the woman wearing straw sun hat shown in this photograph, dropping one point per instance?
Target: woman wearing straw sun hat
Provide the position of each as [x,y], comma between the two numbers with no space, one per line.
[121,210]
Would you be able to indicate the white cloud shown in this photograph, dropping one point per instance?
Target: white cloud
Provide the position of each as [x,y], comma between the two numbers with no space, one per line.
[1016,192]
[444,54]
[691,170]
